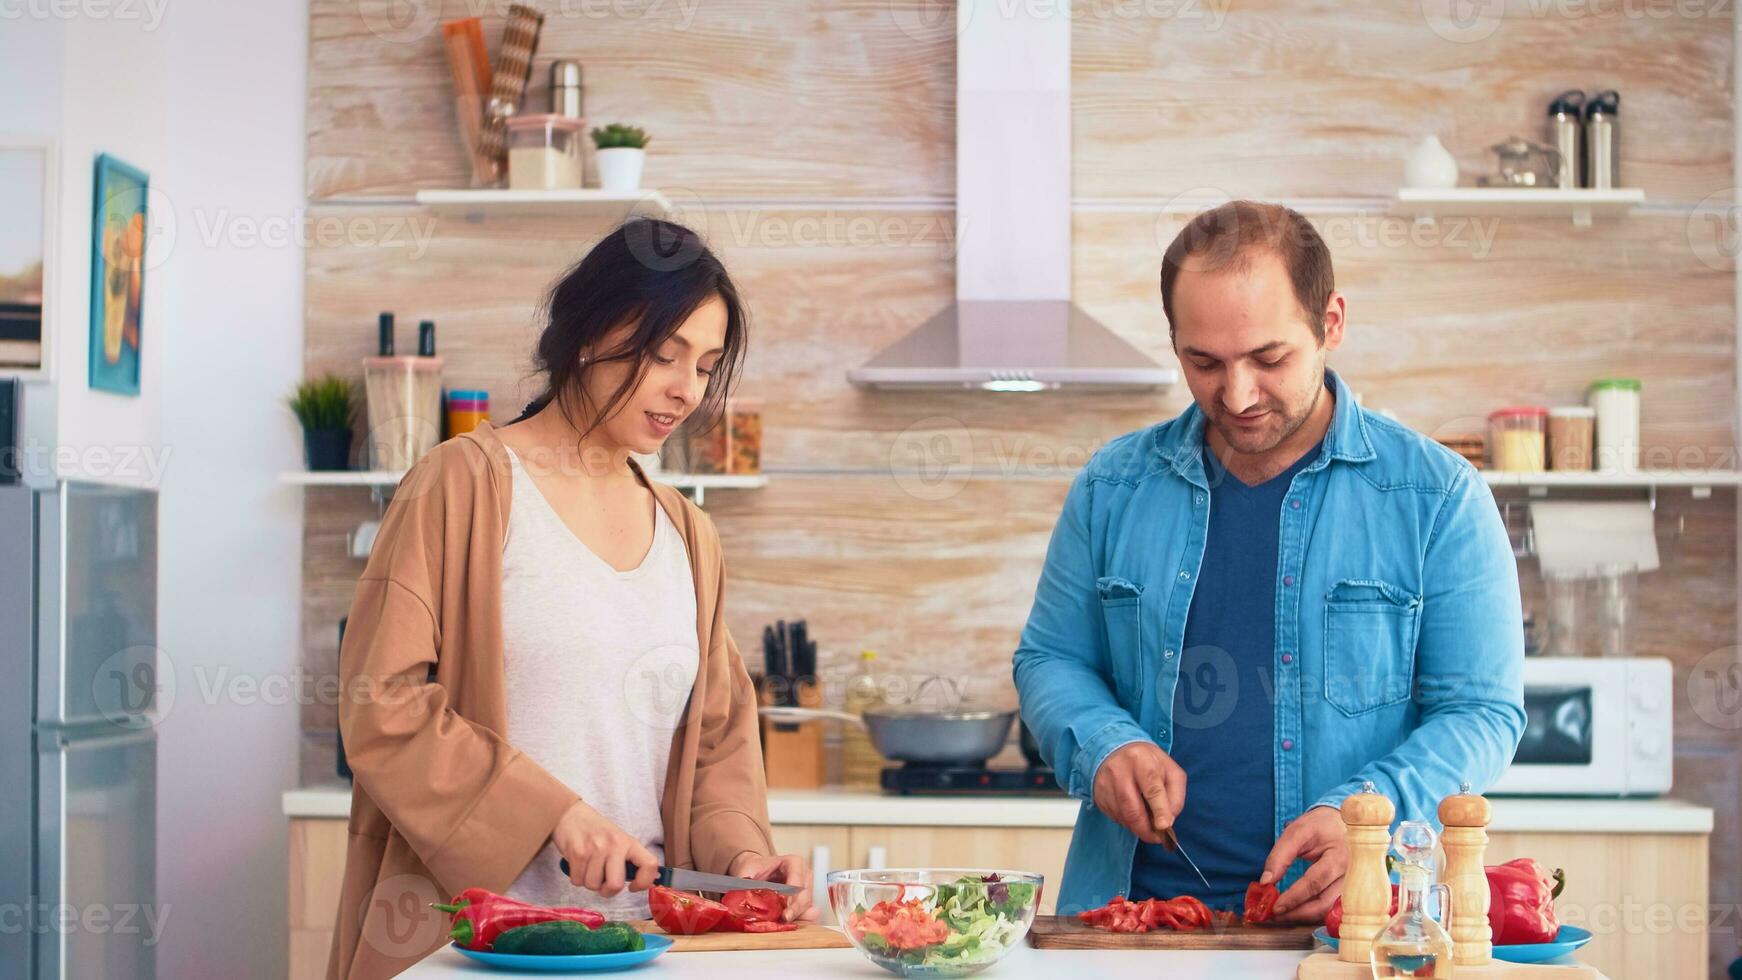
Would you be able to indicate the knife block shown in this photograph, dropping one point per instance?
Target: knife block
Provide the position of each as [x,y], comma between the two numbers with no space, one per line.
[792,752]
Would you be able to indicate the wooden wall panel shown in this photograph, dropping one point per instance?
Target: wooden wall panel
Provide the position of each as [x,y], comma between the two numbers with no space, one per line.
[915,524]
[1446,323]
[1325,98]
[823,98]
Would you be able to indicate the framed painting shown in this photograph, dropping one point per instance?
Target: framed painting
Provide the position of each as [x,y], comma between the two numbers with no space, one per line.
[27,175]
[118,236]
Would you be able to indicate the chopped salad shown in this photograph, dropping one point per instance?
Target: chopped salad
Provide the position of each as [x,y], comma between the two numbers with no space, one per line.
[968,921]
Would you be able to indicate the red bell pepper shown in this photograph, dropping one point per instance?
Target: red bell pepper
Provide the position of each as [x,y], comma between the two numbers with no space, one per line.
[1520,903]
[479,916]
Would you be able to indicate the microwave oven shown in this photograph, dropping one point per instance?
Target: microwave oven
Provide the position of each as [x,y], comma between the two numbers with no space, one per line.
[1594,727]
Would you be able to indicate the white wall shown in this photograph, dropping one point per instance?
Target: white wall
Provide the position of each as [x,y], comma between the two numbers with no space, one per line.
[207,97]
[232,535]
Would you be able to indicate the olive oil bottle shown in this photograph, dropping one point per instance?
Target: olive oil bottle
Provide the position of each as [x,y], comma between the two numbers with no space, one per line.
[1415,943]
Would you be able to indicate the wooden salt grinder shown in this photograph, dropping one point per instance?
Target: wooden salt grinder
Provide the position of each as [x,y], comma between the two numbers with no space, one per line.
[1366,886]
[1465,818]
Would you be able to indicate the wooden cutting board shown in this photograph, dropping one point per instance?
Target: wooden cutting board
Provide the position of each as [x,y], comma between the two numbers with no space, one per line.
[807,936]
[1069,932]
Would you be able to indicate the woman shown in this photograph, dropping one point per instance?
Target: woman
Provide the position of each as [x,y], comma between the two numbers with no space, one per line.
[536,664]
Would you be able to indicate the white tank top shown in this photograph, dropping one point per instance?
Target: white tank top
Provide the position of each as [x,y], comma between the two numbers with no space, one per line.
[599,667]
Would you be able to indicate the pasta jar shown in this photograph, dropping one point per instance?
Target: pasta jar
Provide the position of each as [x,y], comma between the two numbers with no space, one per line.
[1571,431]
[1616,401]
[544,152]
[1517,439]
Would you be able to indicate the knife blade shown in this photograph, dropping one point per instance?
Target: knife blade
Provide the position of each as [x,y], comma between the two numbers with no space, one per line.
[696,881]
[1170,840]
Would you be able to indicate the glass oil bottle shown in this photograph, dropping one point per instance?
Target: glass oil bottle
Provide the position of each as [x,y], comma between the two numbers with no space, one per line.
[1414,943]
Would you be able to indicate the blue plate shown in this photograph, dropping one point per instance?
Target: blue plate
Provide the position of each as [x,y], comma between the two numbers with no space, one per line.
[595,963]
[1568,939]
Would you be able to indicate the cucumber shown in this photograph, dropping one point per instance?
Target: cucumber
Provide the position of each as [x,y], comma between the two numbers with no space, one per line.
[564,938]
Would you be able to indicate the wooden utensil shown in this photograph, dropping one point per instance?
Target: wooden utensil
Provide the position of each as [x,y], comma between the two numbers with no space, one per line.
[1069,932]
[808,935]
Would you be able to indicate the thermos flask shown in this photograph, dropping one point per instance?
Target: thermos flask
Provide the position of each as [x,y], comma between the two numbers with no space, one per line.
[1603,140]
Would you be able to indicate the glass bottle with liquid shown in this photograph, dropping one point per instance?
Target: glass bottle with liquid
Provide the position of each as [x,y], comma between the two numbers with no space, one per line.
[1415,943]
[861,766]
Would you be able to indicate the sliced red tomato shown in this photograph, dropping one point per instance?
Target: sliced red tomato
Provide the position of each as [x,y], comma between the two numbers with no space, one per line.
[901,925]
[684,913]
[1260,902]
[754,904]
[759,926]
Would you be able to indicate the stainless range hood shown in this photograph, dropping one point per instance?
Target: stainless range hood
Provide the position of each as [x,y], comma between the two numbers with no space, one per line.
[1013,326]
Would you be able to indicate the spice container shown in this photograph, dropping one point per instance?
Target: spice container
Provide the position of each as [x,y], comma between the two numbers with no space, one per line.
[544,152]
[1517,440]
[708,451]
[1616,401]
[744,436]
[466,408]
[1572,430]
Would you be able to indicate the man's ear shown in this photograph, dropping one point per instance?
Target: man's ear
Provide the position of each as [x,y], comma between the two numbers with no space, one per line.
[1336,318]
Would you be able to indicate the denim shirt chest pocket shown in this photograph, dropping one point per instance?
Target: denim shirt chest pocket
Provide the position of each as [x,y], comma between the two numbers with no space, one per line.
[1122,612]
[1370,634]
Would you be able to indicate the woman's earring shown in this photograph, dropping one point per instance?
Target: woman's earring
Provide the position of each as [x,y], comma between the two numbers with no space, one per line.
[583,361]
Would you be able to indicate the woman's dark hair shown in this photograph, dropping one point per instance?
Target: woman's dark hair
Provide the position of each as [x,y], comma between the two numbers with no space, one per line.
[651,275]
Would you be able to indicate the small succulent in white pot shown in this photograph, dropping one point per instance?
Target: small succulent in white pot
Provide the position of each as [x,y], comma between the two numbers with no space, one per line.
[622,149]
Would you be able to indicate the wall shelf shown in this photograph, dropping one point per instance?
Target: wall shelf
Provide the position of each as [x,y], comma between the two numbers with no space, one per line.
[591,204]
[1640,479]
[385,480]
[1579,204]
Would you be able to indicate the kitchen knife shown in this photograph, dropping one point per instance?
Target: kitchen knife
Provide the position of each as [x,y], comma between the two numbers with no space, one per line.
[1170,841]
[695,881]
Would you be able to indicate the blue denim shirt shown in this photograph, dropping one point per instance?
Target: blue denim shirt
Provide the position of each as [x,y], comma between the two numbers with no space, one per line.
[1399,634]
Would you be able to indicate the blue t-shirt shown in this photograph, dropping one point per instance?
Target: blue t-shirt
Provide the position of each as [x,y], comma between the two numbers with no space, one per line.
[1225,705]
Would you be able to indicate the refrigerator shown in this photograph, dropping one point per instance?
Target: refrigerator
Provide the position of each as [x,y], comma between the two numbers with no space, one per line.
[78,743]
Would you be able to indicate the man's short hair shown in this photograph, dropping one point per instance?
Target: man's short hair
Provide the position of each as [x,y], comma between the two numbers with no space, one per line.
[1223,239]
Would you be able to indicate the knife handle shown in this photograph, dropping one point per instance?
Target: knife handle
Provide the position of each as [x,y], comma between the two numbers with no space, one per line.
[629,870]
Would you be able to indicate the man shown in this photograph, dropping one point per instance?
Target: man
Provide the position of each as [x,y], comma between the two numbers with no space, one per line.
[1272,599]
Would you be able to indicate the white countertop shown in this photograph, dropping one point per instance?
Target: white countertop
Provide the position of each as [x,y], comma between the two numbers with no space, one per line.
[1023,962]
[869,809]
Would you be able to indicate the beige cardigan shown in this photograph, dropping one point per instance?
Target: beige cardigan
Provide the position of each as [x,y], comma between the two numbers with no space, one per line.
[441,801]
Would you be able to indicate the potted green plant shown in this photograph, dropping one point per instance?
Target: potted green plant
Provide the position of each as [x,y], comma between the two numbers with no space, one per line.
[621,151]
[325,407]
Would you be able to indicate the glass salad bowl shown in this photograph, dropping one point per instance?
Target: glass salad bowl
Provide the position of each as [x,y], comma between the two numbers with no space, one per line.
[934,922]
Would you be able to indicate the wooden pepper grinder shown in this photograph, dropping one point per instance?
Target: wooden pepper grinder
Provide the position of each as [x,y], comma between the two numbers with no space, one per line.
[1465,818]
[1366,887]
